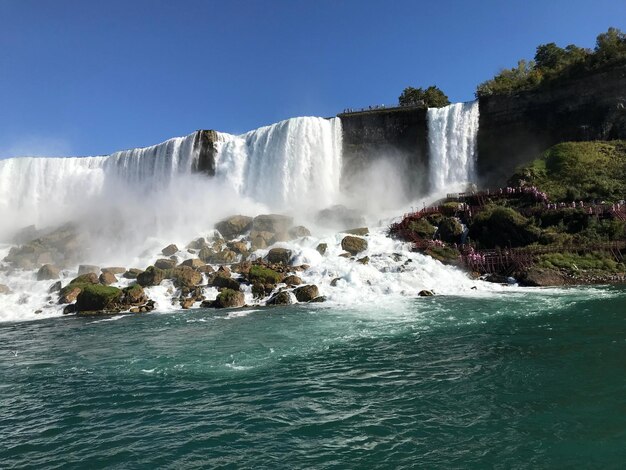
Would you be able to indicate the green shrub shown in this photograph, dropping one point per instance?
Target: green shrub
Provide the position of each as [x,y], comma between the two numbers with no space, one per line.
[503,226]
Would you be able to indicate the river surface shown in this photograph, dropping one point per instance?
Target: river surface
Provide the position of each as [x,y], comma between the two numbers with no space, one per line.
[533,379]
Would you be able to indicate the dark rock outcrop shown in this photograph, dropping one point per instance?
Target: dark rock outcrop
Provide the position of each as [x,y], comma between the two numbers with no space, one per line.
[280,298]
[279,256]
[152,276]
[353,245]
[306,293]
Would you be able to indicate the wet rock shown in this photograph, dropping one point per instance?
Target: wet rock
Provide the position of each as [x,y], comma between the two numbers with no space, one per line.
[152,276]
[134,295]
[197,244]
[242,268]
[56,287]
[187,303]
[223,257]
[280,298]
[194,263]
[114,270]
[206,253]
[224,282]
[364,260]
[48,272]
[264,275]
[292,280]
[132,273]
[238,247]
[321,248]
[89,278]
[345,254]
[88,268]
[543,277]
[260,239]
[279,256]
[362,231]
[319,299]
[69,294]
[107,278]
[184,276]
[98,298]
[165,263]
[207,269]
[306,293]
[299,231]
[234,226]
[71,308]
[425,293]
[229,298]
[274,223]
[169,250]
[354,245]
[4,290]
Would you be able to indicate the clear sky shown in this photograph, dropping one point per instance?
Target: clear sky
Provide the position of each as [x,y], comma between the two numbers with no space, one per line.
[90,77]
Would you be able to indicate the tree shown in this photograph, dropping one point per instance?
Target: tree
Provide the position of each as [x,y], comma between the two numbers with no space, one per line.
[432,97]
[610,46]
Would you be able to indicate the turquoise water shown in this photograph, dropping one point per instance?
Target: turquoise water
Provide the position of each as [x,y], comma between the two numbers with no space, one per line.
[516,380]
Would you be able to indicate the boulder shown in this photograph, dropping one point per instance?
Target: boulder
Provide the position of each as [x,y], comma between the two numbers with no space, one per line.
[274,223]
[345,254]
[425,293]
[364,260]
[263,275]
[224,282]
[69,294]
[114,270]
[319,299]
[88,268]
[362,231]
[543,277]
[197,244]
[321,248]
[238,247]
[306,293]
[229,298]
[169,250]
[184,276]
[98,298]
[261,239]
[187,303]
[107,278]
[194,263]
[279,256]
[132,273]
[56,287]
[234,226]
[152,276]
[206,253]
[299,231]
[163,263]
[134,295]
[280,298]
[292,280]
[4,290]
[89,278]
[353,245]
[48,272]
[207,269]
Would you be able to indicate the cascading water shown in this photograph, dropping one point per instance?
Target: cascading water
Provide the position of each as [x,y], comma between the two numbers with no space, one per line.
[452,132]
[296,160]
[132,203]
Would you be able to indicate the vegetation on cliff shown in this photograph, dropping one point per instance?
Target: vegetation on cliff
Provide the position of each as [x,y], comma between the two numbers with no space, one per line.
[431,97]
[574,171]
[552,62]
[562,219]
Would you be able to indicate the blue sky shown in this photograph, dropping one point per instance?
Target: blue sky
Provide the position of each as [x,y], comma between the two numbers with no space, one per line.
[84,77]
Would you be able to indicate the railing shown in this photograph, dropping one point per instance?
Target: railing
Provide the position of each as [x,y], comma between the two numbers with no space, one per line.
[383,107]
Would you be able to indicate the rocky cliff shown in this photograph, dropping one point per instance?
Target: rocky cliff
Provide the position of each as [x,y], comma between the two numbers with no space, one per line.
[515,129]
[396,136]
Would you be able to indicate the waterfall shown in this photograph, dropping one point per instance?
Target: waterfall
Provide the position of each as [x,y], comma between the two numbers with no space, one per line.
[452,132]
[288,163]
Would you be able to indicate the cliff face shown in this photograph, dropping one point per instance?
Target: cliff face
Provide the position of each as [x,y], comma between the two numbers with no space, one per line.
[381,139]
[515,129]
[204,144]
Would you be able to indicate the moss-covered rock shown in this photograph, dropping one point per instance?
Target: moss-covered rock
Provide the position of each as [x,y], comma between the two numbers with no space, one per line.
[98,298]
[450,230]
[229,298]
[503,227]
[264,275]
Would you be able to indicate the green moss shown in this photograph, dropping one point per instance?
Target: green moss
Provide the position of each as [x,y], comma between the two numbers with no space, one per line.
[444,254]
[450,230]
[572,171]
[227,295]
[97,297]
[264,275]
[422,228]
[503,226]
[596,262]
